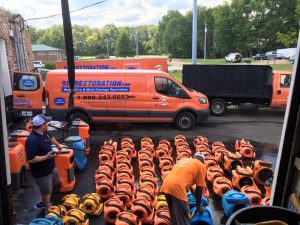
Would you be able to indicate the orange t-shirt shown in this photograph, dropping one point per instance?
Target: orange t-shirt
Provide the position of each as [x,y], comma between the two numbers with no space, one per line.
[184,174]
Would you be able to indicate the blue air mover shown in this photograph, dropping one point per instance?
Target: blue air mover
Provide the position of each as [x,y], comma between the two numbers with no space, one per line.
[204,218]
[192,200]
[77,144]
[234,200]
[49,220]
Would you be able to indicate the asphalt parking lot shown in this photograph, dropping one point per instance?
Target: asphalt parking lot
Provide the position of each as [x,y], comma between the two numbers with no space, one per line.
[261,127]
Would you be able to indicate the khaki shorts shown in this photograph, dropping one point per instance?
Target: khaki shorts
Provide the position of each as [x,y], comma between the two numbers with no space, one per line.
[46,183]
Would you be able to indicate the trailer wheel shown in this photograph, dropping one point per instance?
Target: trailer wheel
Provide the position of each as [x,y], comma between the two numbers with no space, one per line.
[78,115]
[218,107]
[185,121]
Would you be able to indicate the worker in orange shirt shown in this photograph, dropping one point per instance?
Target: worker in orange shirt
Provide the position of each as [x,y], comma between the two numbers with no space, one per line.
[186,173]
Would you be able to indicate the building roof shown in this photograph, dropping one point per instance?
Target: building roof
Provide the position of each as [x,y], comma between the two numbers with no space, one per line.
[40,47]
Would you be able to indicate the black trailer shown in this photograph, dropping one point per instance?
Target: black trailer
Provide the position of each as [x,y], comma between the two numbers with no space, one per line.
[230,84]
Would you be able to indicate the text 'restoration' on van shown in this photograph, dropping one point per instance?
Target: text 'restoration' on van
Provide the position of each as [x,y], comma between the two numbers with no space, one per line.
[119,96]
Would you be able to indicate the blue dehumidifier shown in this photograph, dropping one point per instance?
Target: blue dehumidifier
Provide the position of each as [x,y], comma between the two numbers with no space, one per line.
[234,200]
[78,146]
[204,218]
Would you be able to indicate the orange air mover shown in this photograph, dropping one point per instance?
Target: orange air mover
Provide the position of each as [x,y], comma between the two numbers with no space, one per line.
[232,160]
[149,181]
[124,173]
[17,164]
[145,162]
[148,150]
[65,169]
[123,157]
[28,126]
[217,145]
[160,152]
[104,188]
[82,129]
[143,153]
[125,194]
[221,185]
[178,138]
[92,204]
[112,207]
[102,174]
[165,161]
[201,138]
[220,154]
[146,141]
[131,151]
[71,201]
[245,148]
[162,217]
[253,193]
[213,172]
[147,172]
[203,148]
[182,155]
[262,171]
[182,144]
[142,207]
[21,137]
[265,201]
[210,160]
[189,151]
[106,155]
[127,217]
[242,177]
[167,144]
[124,166]
[146,191]
[165,171]
[198,142]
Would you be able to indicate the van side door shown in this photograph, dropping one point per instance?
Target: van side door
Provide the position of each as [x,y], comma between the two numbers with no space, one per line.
[281,87]
[27,94]
[166,99]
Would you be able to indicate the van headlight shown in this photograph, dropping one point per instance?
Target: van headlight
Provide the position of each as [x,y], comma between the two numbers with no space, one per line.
[202,100]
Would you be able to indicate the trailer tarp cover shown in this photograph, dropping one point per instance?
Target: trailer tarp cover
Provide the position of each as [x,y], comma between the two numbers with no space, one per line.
[229,80]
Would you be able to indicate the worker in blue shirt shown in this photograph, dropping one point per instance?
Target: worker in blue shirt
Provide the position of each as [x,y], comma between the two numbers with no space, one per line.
[41,159]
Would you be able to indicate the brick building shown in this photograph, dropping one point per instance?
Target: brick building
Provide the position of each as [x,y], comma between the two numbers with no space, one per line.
[46,53]
[15,44]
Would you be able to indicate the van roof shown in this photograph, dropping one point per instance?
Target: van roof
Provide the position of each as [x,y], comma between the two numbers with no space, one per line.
[112,71]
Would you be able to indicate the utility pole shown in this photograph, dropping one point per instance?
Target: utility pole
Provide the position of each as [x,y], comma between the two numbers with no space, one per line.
[194,41]
[205,31]
[136,44]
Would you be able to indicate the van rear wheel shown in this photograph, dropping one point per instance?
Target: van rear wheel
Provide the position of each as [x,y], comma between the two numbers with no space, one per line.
[78,116]
[185,121]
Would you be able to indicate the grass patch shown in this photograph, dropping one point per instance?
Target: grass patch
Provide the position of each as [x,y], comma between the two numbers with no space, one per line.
[288,67]
[88,57]
[177,75]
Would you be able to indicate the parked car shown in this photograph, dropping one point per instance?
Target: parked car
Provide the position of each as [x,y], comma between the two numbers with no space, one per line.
[260,56]
[38,64]
[273,55]
[234,57]
[292,59]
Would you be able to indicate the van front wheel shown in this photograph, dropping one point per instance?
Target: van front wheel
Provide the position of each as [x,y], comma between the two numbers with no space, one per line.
[185,121]
[76,116]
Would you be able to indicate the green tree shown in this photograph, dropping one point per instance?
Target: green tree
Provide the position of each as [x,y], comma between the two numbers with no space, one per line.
[288,39]
[53,36]
[125,45]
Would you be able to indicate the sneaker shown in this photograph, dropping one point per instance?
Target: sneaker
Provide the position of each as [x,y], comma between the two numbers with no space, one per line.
[39,205]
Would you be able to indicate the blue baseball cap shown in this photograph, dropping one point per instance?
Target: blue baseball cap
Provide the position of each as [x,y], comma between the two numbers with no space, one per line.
[40,119]
[200,156]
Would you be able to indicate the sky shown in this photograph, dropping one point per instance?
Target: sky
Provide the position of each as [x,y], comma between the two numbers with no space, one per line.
[118,12]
